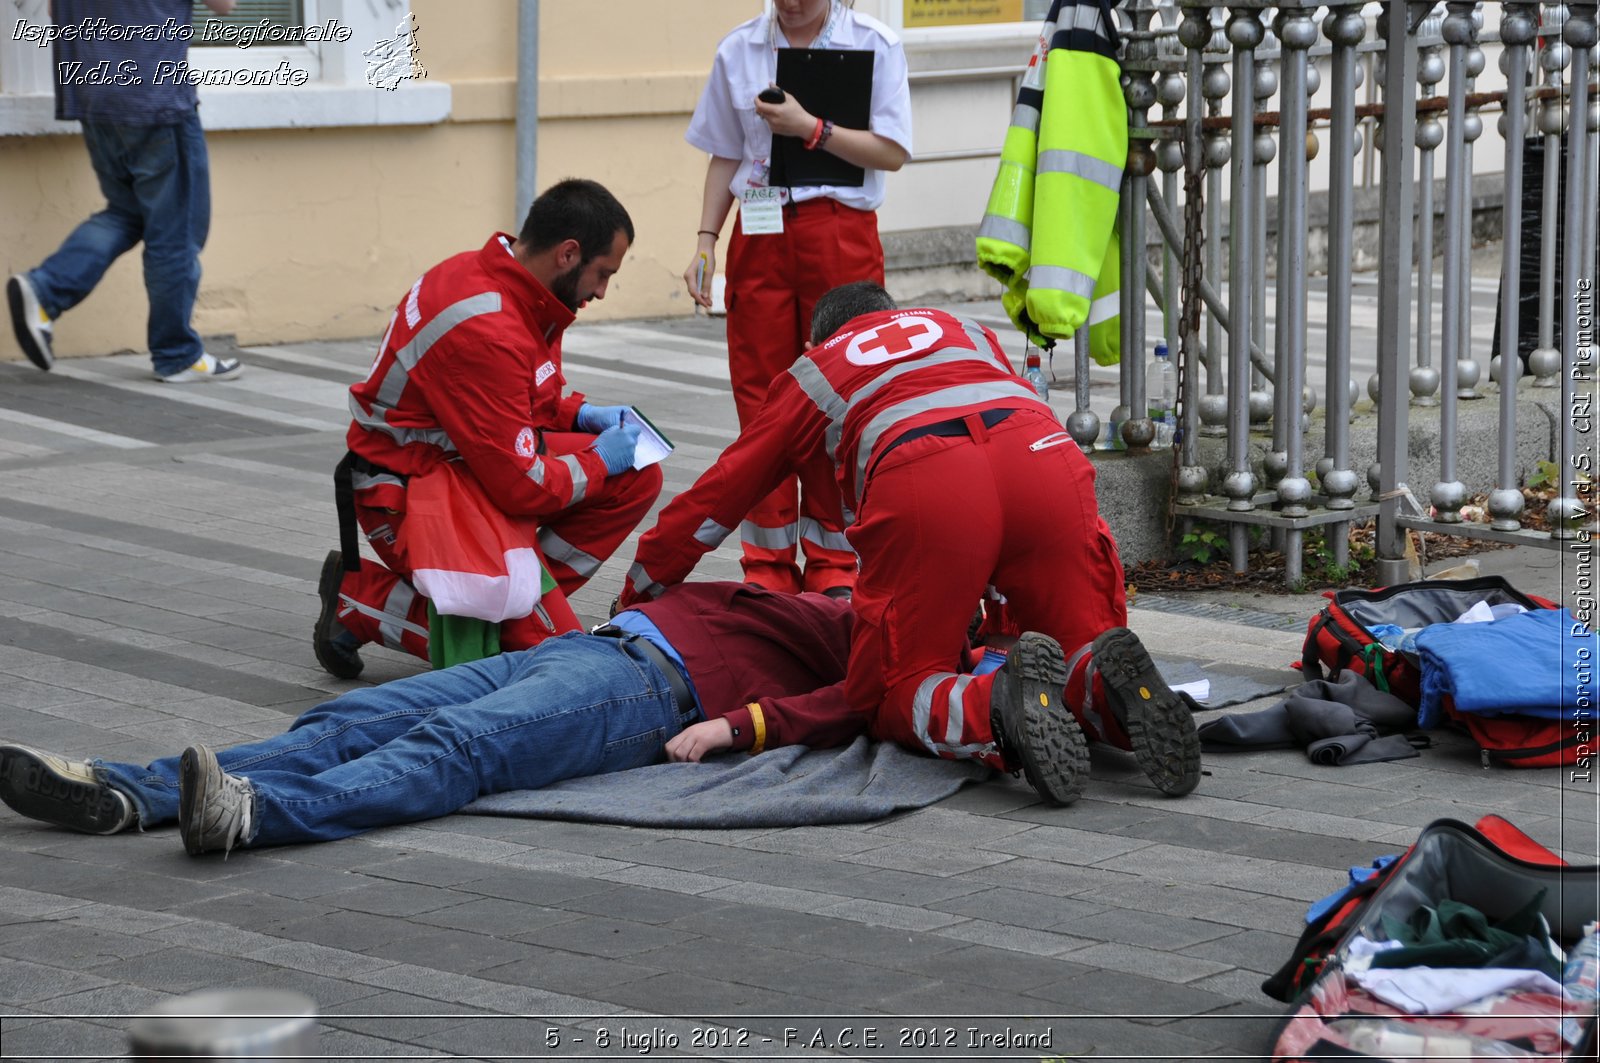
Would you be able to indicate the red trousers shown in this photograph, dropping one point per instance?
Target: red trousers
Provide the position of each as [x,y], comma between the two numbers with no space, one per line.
[941,518]
[774,281]
[382,606]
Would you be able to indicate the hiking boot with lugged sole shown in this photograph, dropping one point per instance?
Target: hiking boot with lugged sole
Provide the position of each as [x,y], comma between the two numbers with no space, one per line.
[214,807]
[1031,724]
[331,641]
[1159,724]
[58,790]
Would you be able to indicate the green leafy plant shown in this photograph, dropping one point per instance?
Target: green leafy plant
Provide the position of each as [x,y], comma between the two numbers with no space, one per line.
[1204,544]
[1545,474]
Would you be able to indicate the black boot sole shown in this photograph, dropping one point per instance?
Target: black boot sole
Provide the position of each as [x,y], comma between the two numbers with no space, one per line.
[1046,739]
[1159,724]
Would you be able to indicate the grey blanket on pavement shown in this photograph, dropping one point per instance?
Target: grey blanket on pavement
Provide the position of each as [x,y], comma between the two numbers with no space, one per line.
[1340,721]
[786,787]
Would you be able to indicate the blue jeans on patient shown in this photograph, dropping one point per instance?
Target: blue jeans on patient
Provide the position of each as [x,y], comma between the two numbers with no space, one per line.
[157,184]
[424,746]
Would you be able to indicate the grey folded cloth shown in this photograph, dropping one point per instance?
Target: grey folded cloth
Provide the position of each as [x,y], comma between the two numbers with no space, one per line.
[1345,720]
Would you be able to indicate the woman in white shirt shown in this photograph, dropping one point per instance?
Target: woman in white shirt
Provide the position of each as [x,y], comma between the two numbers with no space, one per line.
[828,237]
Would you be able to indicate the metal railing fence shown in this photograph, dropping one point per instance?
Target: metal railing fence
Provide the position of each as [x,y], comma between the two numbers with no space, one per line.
[1235,81]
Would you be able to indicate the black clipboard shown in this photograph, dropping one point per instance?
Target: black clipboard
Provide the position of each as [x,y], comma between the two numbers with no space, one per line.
[831,83]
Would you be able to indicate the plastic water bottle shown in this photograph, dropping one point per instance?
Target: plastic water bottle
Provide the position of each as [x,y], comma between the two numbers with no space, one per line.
[1033,373]
[1161,393]
[1580,982]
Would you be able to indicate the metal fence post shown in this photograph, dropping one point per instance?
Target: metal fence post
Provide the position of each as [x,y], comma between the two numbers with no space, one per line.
[1394,278]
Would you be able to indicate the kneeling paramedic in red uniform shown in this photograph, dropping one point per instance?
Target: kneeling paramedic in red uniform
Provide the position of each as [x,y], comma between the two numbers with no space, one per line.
[469,470]
[951,475]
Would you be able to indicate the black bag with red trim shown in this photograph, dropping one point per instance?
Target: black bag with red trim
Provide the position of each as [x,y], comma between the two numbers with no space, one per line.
[1496,869]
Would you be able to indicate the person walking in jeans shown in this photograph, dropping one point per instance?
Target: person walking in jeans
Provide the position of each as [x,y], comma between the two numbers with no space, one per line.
[142,128]
[710,666]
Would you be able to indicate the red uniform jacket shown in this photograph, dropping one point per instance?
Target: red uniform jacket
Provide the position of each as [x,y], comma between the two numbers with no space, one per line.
[470,368]
[785,652]
[833,413]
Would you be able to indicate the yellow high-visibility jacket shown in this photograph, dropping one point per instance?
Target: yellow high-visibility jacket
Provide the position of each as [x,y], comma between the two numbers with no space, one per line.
[1049,232]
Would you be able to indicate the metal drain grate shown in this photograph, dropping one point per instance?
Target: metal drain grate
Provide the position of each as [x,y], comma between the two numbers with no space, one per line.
[1231,614]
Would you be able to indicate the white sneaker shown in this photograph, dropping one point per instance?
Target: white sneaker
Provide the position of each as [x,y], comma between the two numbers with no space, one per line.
[29,321]
[207,368]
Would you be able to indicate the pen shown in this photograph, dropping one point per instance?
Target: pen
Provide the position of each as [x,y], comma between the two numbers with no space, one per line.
[700,279]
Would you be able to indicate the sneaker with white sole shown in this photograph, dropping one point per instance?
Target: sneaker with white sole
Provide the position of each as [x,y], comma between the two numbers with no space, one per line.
[209,367]
[56,789]
[1159,723]
[1031,723]
[335,645]
[29,321]
[214,808]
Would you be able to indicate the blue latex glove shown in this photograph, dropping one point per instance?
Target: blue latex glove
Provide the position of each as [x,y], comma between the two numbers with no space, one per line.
[597,419]
[616,445]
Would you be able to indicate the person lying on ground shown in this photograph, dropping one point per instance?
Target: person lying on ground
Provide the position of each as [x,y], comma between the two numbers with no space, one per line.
[706,668]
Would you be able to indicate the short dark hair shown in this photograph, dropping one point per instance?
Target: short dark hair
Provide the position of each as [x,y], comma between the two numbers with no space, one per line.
[837,308]
[576,209]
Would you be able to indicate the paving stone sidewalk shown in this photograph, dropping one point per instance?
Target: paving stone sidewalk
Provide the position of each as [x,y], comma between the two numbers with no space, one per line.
[159,549]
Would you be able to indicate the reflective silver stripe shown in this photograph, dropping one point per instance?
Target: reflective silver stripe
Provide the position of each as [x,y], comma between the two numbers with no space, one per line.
[442,322]
[580,479]
[1102,173]
[388,626]
[396,610]
[949,398]
[1025,116]
[1010,230]
[1061,279]
[406,358]
[361,481]
[711,534]
[980,339]
[813,532]
[642,583]
[536,471]
[922,708]
[558,549]
[817,389]
[1105,308]
[374,422]
[956,720]
[928,360]
[922,712]
[783,538]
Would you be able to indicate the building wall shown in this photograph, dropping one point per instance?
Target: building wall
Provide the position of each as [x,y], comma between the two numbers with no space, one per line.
[318,232]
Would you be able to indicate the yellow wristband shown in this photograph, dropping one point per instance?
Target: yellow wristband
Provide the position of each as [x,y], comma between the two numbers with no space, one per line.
[758,724]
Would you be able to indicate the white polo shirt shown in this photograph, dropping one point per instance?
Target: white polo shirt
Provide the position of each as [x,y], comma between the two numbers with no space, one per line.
[725,122]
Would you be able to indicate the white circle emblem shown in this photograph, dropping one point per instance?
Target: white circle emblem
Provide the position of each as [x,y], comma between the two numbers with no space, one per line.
[900,338]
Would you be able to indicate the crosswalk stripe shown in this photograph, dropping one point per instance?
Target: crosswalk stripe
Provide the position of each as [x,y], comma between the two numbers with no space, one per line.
[76,431]
[186,394]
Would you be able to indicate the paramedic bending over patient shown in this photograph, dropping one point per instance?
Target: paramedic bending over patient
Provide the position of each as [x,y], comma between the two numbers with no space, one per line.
[829,237]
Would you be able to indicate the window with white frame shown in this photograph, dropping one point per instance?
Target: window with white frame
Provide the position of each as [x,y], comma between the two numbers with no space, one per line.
[267,64]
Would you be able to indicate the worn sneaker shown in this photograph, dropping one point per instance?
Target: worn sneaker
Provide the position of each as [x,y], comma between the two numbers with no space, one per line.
[214,808]
[334,644]
[1031,723]
[1159,723]
[209,367]
[65,792]
[29,321]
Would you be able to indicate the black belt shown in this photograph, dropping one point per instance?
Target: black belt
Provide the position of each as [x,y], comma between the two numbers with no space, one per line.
[956,426]
[658,657]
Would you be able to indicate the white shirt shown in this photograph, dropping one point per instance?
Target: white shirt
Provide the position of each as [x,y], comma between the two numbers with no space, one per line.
[725,122]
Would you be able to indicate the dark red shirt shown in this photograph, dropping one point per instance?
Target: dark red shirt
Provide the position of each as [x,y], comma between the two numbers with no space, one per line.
[785,652]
